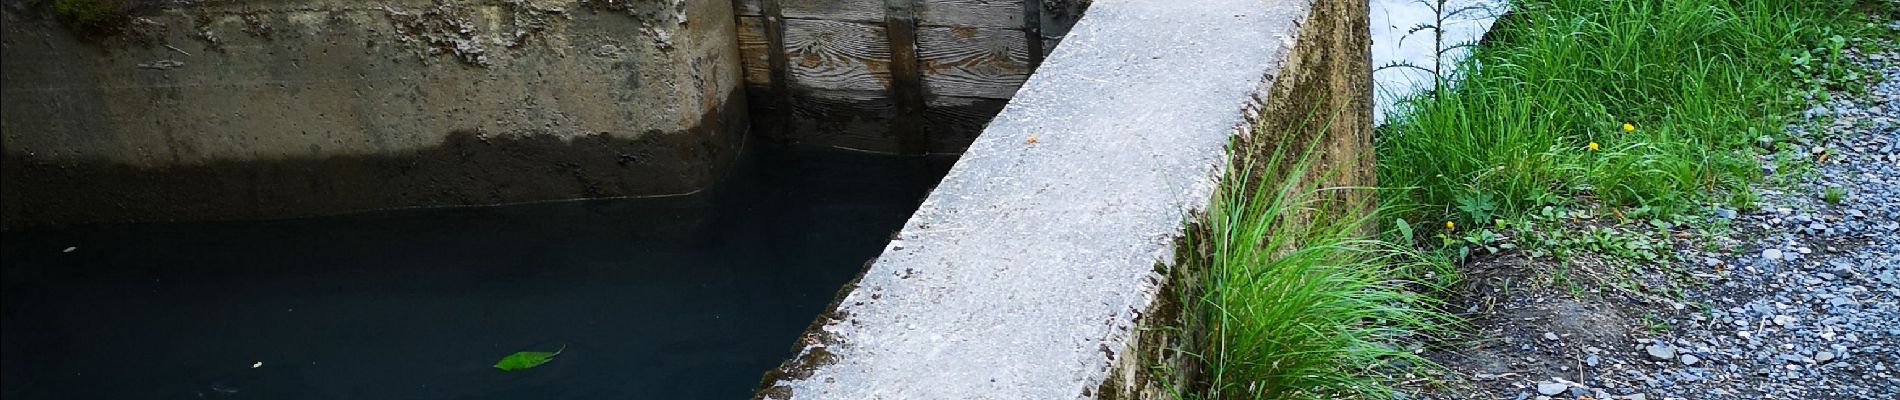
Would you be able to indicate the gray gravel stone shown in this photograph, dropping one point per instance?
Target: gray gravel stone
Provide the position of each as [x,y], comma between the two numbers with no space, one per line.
[1814,311]
[1660,351]
[1799,299]
[1551,388]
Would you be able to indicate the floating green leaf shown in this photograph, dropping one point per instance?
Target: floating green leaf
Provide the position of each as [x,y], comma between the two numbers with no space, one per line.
[526,359]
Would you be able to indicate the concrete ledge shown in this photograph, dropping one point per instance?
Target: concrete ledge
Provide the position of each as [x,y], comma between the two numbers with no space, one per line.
[1044,264]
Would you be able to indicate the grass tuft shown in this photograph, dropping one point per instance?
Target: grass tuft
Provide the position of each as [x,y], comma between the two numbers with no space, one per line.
[1300,304]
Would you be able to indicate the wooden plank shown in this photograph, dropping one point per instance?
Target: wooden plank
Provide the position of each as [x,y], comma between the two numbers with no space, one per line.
[780,70]
[952,122]
[745,8]
[754,51]
[763,107]
[1005,14]
[973,62]
[1032,31]
[761,100]
[906,83]
[850,119]
[836,55]
[835,10]
[1057,17]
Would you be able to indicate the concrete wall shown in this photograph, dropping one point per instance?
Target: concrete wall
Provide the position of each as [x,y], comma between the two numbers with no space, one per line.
[270,108]
[1048,264]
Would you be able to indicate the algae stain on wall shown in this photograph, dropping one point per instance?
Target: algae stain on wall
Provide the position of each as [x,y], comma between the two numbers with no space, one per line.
[281,82]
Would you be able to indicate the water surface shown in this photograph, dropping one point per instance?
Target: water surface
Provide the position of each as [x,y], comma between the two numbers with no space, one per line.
[690,297]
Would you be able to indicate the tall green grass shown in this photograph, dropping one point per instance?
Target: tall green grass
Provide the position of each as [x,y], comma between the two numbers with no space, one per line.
[1297,302]
[1701,81]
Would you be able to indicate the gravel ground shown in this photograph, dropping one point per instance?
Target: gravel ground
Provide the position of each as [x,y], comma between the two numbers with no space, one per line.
[1811,308]
[1809,298]
[1801,301]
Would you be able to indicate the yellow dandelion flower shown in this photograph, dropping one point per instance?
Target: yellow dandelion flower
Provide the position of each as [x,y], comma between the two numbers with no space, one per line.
[1629,128]
[1450,226]
[1594,146]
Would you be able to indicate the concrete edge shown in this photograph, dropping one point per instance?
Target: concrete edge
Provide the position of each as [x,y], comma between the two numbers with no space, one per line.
[1048,263]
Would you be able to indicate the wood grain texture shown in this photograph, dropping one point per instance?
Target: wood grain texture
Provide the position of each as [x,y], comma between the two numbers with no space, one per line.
[973,62]
[1032,32]
[748,8]
[906,84]
[952,123]
[754,51]
[835,10]
[851,119]
[890,76]
[971,13]
[781,70]
[835,55]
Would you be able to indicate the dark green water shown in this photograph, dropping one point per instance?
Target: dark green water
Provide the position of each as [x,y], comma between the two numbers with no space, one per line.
[689,297]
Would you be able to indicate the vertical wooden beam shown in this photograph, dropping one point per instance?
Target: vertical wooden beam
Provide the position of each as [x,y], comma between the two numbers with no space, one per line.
[907,86]
[781,71]
[1032,27]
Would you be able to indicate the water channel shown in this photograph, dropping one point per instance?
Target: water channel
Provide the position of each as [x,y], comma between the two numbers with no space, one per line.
[683,297]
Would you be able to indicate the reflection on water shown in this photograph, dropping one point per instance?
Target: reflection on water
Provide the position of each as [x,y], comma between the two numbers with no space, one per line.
[690,297]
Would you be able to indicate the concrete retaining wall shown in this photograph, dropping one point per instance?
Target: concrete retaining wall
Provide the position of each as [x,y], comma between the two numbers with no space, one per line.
[270,108]
[1047,264]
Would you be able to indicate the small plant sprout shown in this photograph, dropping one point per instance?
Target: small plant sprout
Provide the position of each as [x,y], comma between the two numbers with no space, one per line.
[1834,194]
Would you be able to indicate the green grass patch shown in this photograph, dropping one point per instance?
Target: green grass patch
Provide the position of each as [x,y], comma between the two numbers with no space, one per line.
[1299,304]
[1652,104]
[1583,126]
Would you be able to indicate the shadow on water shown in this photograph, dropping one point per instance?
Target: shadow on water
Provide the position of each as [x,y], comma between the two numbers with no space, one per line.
[690,297]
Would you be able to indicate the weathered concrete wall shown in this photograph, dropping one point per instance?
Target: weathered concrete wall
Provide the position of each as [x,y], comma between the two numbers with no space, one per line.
[270,108]
[1048,263]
